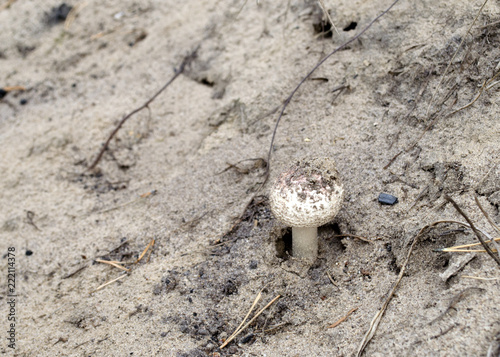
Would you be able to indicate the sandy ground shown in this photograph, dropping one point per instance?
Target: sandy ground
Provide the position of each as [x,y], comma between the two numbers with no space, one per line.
[214,252]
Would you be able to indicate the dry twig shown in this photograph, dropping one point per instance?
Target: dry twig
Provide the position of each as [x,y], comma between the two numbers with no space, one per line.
[474,229]
[339,321]
[487,216]
[461,248]
[308,75]
[478,278]
[456,299]
[113,263]
[109,282]
[150,245]
[185,62]
[364,239]
[378,316]
[118,264]
[454,55]
[238,331]
[325,11]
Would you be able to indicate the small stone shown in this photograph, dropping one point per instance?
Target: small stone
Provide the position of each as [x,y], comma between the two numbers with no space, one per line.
[229,288]
[203,331]
[456,264]
[247,338]
[253,264]
[58,14]
[386,199]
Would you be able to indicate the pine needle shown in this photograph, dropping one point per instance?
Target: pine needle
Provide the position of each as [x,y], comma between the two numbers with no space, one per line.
[237,332]
[113,263]
[145,250]
[323,7]
[259,295]
[109,282]
[339,321]
[462,248]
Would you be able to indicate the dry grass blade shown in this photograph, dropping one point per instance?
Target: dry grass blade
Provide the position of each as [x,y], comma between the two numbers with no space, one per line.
[325,11]
[233,335]
[462,248]
[118,265]
[485,87]
[249,322]
[478,278]
[449,250]
[144,251]
[342,319]
[113,263]
[109,282]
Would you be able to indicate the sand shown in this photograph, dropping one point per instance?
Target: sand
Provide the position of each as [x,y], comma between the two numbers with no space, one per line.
[385,108]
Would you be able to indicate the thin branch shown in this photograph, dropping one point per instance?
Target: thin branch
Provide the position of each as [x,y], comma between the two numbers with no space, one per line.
[339,321]
[289,99]
[186,61]
[152,243]
[493,224]
[453,57]
[378,316]
[474,229]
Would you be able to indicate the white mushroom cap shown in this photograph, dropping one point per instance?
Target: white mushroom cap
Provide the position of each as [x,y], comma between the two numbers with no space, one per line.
[309,194]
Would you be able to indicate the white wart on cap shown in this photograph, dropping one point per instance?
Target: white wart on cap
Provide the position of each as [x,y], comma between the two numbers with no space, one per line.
[307,195]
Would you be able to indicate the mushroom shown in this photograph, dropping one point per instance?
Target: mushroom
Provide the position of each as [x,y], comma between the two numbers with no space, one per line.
[305,196]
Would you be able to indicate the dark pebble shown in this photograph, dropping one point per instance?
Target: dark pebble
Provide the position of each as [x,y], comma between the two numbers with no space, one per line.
[3,93]
[29,252]
[247,338]
[253,264]
[58,13]
[229,288]
[203,331]
[386,199]
[23,101]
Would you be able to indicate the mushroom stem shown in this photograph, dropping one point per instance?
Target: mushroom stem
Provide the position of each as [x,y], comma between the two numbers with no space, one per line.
[305,242]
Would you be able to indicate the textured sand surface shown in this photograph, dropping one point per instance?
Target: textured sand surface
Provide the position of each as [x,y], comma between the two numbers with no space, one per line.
[213,251]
